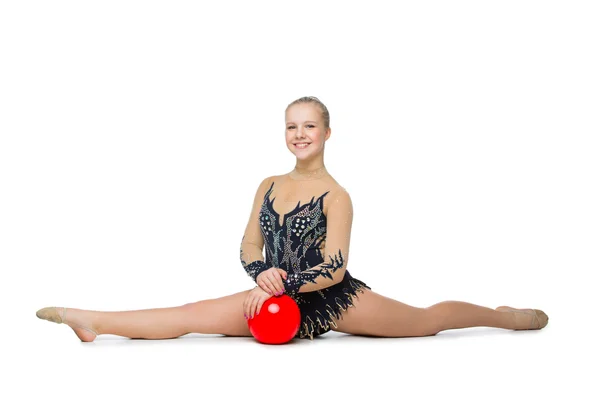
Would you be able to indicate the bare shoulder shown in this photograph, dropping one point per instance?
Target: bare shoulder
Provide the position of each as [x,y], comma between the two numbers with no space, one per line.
[264,186]
[335,188]
[266,182]
[338,197]
[277,178]
[340,193]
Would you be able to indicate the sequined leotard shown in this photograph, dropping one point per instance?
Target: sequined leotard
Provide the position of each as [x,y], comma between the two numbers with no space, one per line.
[310,242]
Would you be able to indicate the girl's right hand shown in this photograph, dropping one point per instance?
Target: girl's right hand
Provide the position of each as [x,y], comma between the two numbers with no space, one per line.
[271,281]
[254,302]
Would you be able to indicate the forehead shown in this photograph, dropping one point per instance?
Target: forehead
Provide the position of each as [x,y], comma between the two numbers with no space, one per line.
[302,112]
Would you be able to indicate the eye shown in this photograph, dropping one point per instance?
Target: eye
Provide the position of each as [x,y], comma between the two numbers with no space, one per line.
[311,125]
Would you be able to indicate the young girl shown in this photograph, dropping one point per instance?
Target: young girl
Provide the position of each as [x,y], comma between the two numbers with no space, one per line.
[303,219]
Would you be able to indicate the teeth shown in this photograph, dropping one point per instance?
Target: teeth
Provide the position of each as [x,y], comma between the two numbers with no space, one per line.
[302,145]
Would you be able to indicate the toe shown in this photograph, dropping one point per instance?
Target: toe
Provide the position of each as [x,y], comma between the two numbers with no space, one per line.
[542,318]
[49,314]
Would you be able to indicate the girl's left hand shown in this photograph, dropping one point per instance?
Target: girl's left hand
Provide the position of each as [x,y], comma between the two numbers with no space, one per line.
[254,301]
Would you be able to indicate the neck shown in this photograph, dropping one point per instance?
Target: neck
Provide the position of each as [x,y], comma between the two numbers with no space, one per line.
[308,172]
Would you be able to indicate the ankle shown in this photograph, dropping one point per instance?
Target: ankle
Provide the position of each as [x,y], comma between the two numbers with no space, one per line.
[92,320]
[82,319]
[510,319]
[95,322]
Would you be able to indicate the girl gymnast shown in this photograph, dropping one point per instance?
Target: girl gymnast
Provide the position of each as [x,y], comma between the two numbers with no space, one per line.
[303,220]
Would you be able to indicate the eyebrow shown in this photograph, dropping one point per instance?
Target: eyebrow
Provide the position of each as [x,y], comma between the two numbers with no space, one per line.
[314,122]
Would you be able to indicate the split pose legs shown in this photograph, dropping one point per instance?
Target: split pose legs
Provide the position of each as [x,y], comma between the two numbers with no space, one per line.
[371,315]
[377,315]
[223,315]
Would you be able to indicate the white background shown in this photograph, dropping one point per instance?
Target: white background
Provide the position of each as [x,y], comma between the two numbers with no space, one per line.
[134,135]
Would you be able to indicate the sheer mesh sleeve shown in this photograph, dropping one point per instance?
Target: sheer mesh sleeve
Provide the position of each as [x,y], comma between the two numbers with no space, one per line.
[337,247]
[251,248]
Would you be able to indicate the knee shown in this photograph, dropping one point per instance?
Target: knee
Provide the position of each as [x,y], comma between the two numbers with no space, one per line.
[189,313]
[190,309]
[433,322]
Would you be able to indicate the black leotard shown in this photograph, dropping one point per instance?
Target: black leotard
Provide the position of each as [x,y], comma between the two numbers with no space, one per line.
[311,244]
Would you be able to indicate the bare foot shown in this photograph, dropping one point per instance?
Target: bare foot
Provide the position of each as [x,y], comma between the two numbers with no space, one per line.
[526,318]
[75,318]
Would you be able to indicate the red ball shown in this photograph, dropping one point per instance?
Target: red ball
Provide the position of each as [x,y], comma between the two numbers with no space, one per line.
[278,320]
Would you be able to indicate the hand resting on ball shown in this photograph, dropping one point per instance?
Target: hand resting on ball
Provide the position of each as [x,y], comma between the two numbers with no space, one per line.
[271,281]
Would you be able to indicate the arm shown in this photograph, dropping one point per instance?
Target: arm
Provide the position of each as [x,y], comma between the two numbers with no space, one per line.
[251,248]
[337,246]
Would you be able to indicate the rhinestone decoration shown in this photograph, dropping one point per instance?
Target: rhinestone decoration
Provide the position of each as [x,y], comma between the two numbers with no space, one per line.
[295,245]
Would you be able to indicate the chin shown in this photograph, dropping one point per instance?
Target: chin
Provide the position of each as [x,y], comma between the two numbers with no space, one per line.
[296,151]
[302,155]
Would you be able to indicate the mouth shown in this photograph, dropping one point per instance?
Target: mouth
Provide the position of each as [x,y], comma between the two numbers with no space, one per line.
[301,145]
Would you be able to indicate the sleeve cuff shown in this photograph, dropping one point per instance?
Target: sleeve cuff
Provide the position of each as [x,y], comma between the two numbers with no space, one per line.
[255,268]
[292,283]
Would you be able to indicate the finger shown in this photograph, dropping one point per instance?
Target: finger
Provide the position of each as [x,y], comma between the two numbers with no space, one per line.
[261,302]
[279,281]
[273,288]
[277,286]
[283,275]
[263,285]
[245,308]
[253,306]
[251,298]
[268,283]
[282,281]
[249,306]
[259,306]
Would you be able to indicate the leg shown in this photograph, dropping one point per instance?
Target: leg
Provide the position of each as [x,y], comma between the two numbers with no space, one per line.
[223,315]
[377,315]
[153,323]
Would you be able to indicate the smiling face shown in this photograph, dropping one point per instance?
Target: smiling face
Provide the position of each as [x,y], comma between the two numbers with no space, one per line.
[304,124]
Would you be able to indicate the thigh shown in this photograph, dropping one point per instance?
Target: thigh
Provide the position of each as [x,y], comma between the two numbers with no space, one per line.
[223,315]
[377,315]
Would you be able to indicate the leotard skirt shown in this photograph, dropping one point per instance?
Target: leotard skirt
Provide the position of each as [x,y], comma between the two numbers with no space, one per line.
[320,309]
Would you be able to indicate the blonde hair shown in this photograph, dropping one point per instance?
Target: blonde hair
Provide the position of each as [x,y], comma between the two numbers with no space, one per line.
[314,100]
